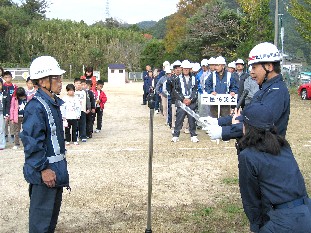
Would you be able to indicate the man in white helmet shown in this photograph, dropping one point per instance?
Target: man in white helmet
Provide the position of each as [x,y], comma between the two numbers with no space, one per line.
[186,91]
[171,97]
[240,76]
[266,70]
[220,82]
[45,167]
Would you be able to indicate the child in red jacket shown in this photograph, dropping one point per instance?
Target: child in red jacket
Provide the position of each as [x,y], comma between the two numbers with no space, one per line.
[101,99]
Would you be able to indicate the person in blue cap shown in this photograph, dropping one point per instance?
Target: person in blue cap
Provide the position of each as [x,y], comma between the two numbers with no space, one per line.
[272,187]
[45,167]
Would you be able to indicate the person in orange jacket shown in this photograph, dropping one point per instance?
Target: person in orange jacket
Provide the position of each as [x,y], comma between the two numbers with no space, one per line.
[88,75]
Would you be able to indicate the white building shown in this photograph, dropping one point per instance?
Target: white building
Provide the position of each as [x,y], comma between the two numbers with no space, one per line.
[116,74]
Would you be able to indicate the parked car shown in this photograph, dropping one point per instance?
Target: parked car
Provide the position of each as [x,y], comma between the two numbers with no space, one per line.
[304,90]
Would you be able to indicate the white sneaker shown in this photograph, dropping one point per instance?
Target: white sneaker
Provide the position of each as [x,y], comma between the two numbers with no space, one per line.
[97,131]
[187,131]
[194,139]
[83,140]
[175,139]
[76,143]
[15,147]
[67,143]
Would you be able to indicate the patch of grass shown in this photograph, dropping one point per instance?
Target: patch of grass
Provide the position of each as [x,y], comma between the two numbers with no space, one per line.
[230,181]
[233,209]
[224,217]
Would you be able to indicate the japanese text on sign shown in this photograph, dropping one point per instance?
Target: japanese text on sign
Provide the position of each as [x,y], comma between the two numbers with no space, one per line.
[219,99]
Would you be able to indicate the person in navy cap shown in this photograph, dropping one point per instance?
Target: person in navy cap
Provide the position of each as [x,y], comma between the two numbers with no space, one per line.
[272,187]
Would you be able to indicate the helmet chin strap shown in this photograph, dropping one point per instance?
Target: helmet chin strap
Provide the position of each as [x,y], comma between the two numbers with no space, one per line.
[49,90]
[267,72]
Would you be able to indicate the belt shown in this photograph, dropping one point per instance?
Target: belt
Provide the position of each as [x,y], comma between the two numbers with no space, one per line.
[291,204]
[56,158]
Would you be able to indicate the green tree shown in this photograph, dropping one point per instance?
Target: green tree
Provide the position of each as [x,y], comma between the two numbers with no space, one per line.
[5,3]
[301,10]
[214,30]
[153,54]
[256,25]
[36,9]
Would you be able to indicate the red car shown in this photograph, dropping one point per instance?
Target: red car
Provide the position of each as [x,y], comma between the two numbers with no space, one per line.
[304,91]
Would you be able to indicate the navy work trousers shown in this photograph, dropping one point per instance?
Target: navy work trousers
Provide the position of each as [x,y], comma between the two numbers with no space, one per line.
[44,208]
[180,116]
[82,125]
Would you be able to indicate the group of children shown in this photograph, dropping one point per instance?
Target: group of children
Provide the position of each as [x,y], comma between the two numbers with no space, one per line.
[83,103]
[13,100]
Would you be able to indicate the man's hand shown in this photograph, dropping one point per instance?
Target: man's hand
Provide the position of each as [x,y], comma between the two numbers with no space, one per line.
[232,93]
[48,177]
[93,110]
[87,111]
[187,102]
[214,93]
[237,113]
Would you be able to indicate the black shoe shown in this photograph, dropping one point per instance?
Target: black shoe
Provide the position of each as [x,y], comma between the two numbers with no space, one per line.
[143,104]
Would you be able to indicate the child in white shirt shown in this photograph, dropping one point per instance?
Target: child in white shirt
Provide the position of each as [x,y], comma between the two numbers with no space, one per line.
[71,112]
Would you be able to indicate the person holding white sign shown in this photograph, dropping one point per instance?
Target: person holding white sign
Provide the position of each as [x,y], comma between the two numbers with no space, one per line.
[221,82]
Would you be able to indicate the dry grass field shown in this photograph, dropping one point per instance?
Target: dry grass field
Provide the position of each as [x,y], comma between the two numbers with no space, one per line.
[195,185]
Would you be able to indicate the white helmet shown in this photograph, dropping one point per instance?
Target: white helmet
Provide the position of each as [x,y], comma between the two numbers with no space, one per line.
[204,62]
[239,61]
[231,65]
[186,64]
[264,52]
[177,63]
[166,63]
[196,67]
[168,70]
[220,60]
[212,61]
[44,66]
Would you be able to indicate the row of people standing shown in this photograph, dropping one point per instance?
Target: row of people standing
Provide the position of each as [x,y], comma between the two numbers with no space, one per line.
[83,104]
[184,81]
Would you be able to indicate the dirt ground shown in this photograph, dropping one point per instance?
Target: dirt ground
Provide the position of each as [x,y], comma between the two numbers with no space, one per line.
[109,174]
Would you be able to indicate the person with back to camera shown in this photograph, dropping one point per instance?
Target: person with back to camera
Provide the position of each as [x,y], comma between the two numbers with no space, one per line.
[45,167]
[272,187]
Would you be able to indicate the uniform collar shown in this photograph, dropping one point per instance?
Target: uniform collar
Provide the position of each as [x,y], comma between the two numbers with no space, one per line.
[57,102]
[269,82]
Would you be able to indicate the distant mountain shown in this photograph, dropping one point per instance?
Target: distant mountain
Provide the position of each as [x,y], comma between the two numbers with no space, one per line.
[145,25]
[159,29]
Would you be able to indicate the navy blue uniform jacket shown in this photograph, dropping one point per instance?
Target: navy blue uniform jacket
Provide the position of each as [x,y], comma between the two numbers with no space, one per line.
[274,94]
[267,180]
[36,138]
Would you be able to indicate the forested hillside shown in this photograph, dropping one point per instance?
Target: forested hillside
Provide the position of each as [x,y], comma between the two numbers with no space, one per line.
[199,28]
[27,36]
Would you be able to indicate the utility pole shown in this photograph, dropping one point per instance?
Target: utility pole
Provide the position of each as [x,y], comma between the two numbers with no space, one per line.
[276,23]
[107,9]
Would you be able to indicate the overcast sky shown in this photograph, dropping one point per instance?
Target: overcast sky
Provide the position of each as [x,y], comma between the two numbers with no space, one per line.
[130,11]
